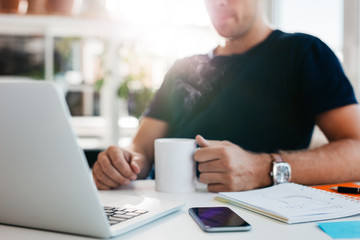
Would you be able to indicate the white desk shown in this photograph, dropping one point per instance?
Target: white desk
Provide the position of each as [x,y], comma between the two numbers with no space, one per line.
[180,225]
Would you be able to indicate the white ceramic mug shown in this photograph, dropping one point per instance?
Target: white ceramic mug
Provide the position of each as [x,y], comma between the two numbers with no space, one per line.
[175,165]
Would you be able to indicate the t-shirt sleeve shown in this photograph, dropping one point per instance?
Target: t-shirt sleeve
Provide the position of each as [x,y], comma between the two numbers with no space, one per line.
[324,85]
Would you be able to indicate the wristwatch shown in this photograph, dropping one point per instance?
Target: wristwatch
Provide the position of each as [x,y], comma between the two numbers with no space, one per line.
[281,171]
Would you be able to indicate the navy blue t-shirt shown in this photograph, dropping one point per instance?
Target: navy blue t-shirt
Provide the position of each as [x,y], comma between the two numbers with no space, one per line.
[263,100]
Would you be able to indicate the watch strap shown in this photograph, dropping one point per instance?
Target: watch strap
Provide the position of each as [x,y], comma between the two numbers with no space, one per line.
[276,158]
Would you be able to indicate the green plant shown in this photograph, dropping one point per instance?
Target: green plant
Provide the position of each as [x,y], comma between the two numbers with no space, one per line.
[135,85]
[136,93]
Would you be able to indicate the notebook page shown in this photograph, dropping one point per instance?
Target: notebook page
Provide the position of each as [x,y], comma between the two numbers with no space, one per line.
[294,203]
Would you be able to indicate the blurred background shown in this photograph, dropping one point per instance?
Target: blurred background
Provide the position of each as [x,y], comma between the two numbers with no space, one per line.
[110,56]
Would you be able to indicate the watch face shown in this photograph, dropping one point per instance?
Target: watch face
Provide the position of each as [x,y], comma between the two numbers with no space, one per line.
[282,173]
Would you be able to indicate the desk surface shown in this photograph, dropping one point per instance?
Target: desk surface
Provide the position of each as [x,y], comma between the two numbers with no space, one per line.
[180,225]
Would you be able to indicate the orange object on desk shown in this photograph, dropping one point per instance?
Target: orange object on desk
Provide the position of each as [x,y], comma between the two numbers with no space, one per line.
[348,184]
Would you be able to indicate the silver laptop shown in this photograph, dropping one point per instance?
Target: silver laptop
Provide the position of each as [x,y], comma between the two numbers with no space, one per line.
[45,181]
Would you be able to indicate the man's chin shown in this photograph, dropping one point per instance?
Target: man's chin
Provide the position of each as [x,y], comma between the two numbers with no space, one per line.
[226,30]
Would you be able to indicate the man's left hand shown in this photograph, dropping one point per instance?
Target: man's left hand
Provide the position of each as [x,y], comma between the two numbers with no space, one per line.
[226,167]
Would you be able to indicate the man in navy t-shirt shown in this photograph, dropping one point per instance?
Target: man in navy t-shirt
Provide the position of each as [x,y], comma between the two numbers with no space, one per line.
[257,98]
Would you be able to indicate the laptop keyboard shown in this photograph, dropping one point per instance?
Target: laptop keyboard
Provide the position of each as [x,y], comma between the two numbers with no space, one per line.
[116,215]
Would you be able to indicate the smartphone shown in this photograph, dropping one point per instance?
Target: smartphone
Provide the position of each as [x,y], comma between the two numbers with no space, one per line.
[218,219]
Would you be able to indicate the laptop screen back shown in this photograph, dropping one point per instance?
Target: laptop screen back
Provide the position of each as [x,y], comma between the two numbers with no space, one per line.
[45,181]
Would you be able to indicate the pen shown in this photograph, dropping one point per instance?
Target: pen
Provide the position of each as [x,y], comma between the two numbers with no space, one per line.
[342,189]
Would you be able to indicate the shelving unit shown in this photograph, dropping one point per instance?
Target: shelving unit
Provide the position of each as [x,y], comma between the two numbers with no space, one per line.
[93,131]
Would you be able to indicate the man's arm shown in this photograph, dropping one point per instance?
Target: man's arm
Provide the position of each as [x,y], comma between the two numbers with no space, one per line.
[337,161]
[225,166]
[116,166]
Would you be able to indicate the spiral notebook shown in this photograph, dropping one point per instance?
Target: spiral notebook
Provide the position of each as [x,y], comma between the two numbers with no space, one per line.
[294,203]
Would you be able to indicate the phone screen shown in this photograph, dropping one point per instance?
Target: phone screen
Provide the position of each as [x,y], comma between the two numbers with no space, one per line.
[214,219]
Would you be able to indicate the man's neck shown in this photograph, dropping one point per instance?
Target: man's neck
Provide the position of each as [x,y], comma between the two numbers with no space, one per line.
[244,43]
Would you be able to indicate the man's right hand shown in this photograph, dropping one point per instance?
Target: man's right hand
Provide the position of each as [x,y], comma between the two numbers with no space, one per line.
[115,167]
